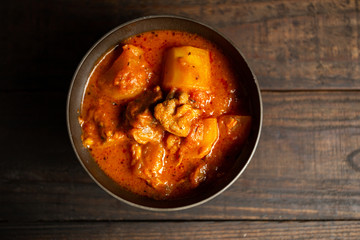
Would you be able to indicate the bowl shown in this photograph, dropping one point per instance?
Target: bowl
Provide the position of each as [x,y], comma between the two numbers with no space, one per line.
[79,83]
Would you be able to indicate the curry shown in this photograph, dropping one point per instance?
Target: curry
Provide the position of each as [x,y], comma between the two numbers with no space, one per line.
[164,113]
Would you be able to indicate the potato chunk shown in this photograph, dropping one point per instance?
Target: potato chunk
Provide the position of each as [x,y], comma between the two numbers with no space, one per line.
[187,68]
[201,139]
[128,76]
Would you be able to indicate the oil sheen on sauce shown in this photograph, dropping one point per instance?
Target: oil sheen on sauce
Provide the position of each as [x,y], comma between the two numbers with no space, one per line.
[157,168]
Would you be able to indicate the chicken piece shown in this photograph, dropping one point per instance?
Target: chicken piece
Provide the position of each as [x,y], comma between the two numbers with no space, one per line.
[201,140]
[172,143]
[176,115]
[95,133]
[142,103]
[145,128]
[105,122]
[101,125]
[148,163]
[128,76]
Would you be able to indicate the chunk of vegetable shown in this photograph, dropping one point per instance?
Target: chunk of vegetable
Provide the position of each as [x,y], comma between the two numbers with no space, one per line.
[187,68]
[201,139]
[128,76]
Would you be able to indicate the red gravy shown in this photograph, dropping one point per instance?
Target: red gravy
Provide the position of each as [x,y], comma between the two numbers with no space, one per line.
[163,113]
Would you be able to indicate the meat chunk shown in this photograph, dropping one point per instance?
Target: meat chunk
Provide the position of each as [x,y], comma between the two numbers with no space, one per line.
[142,103]
[201,140]
[144,127]
[128,76]
[148,163]
[103,127]
[172,143]
[176,115]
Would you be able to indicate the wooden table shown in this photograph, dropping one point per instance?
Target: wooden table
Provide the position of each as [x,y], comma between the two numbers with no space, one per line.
[304,180]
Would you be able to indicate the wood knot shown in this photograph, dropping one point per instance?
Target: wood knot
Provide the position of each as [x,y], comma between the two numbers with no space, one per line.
[353,160]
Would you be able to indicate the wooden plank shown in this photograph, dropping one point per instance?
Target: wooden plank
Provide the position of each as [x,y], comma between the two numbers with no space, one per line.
[307,165]
[184,230]
[289,44]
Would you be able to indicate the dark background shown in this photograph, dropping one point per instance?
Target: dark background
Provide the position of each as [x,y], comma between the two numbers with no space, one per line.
[304,180]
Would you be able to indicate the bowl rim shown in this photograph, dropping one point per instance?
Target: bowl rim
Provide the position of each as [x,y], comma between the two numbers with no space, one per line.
[68,121]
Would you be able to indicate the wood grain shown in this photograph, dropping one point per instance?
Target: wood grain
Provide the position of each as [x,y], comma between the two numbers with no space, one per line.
[324,230]
[307,165]
[303,182]
[289,44]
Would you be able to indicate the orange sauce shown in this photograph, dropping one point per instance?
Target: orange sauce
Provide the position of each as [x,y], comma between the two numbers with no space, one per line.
[112,147]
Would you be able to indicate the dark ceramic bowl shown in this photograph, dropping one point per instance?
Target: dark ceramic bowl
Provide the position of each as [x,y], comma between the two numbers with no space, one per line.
[114,37]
